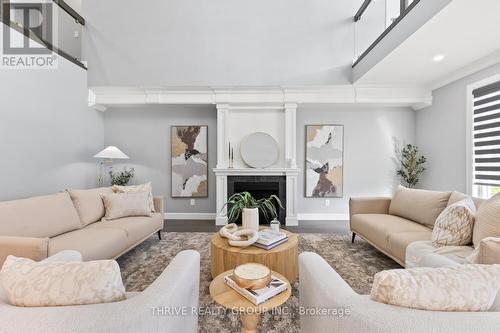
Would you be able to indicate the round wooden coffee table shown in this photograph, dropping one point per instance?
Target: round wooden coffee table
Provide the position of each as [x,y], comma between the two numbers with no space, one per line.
[249,313]
[282,259]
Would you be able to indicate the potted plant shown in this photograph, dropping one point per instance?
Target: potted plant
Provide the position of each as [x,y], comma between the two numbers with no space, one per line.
[121,178]
[248,207]
[412,165]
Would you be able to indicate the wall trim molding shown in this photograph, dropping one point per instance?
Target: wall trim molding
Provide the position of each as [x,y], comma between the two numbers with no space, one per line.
[104,97]
[212,216]
[190,216]
[322,217]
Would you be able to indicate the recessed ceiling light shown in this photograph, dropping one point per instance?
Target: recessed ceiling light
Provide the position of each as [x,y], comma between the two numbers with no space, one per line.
[438,57]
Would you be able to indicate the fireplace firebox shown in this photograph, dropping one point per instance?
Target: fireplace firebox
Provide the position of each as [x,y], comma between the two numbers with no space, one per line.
[260,187]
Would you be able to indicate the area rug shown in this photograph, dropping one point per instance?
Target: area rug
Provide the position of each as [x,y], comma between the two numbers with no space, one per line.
[357,263]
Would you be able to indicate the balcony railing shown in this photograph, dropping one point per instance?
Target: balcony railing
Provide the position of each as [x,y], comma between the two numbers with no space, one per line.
[374,20]
[68,23]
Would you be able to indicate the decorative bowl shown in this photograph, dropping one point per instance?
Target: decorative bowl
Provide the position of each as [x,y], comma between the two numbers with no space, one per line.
[252,276]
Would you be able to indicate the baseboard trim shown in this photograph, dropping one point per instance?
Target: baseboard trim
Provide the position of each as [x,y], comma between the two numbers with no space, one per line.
[323,217]
[212,216]
[190,216]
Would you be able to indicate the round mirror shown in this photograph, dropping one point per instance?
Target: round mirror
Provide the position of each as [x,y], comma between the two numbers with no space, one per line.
[259,150]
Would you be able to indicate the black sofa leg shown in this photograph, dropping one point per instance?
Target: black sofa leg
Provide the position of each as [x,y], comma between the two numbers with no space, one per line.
[159,234]
[353,236]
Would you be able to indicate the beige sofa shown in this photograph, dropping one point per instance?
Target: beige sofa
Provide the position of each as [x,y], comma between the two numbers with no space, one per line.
[41,226]
[391,224]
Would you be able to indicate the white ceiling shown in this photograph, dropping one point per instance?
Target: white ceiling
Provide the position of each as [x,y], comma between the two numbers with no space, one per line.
[466,32]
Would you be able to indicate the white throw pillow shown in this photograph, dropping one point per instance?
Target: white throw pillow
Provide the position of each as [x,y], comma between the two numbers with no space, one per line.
[461,288]
[454,225]
[29,283]
[137,188]
[120,205]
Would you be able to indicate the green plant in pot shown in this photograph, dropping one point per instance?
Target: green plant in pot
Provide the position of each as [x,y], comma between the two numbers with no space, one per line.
[121,178]
[248,207]
[412,165]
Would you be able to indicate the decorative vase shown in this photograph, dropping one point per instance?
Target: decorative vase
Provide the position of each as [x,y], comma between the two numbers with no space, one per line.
[275,225]
[250,218]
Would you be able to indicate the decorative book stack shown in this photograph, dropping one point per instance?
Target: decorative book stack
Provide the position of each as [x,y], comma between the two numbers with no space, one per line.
[258,296]
[269,239]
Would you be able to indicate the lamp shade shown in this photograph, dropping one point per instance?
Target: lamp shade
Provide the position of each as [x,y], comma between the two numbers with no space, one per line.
[111,153]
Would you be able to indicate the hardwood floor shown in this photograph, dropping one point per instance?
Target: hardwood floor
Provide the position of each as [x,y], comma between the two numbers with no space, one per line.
[333,227]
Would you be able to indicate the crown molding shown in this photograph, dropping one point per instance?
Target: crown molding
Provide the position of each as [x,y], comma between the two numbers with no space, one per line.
[101,98]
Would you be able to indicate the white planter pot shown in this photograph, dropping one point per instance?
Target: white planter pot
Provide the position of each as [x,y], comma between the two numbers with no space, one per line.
[250,218]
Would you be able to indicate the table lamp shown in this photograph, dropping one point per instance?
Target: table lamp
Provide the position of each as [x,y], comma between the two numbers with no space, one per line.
[107,155]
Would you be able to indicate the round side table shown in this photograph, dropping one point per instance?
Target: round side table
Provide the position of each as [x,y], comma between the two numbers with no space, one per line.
[249,313]
[282,259]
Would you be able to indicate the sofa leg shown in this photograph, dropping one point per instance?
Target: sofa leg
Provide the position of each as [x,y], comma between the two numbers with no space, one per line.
[159,234]
[353,236]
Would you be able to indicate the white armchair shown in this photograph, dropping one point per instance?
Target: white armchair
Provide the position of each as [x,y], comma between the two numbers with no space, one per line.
[323,288]
[149,311]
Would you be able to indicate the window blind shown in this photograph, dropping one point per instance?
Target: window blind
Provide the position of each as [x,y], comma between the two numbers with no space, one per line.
[487,135]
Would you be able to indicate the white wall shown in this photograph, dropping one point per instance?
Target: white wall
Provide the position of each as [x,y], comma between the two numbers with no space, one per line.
[48,135]
[241,123]
[441,134]
[369,133]
[143,133]
[223,42]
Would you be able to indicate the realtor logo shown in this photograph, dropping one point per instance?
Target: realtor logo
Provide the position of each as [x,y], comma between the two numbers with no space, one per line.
[28,34]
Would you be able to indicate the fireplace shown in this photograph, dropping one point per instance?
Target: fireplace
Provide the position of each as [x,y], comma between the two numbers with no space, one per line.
[260,187]
[237,120]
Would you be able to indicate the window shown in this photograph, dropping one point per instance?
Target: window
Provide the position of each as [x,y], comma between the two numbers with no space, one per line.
[486,140]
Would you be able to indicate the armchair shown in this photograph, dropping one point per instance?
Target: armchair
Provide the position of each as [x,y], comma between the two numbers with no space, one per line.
[323,288]
[152,310]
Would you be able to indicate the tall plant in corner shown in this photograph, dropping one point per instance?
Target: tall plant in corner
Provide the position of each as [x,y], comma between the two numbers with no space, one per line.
[412,165]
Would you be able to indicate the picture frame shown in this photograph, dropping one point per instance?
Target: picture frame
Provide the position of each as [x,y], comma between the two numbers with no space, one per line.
[189,161]
[324,161]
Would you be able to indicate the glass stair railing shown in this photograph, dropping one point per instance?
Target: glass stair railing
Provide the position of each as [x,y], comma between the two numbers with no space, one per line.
[374,19]
[61,30]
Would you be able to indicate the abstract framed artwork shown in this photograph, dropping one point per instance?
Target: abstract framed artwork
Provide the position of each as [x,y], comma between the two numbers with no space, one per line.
[189,153]
[324,161]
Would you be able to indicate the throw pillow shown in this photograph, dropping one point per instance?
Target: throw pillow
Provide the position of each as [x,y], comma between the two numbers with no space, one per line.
[420,206]
[137,188]
[456,197]
[126,204]
[454,225]
[461,288]
[487,222]
[487,253]
[29,283]
[88,204]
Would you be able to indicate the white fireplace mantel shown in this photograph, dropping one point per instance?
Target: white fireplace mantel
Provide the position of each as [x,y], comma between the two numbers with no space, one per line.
[234,122]
[256,172]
